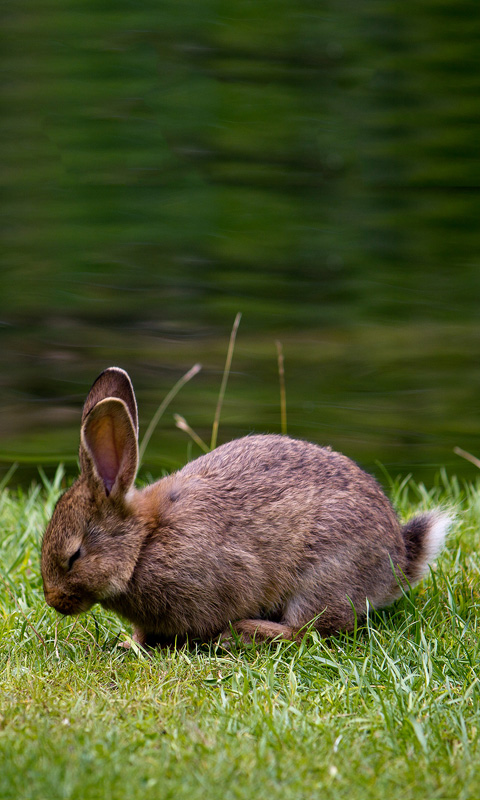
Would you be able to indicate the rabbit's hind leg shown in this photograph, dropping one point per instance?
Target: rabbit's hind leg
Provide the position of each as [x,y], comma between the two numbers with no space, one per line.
[139,637]
[328,616]
[247,631]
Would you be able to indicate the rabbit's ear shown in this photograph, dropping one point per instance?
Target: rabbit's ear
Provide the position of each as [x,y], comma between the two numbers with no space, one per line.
[108,449]
[112,382]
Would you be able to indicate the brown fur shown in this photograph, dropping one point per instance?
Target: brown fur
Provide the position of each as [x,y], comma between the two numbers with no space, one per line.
[265,533]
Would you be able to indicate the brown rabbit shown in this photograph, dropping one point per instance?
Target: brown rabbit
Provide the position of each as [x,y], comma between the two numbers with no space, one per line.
[263,534]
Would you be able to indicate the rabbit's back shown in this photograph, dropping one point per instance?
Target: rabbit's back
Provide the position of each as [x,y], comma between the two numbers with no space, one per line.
[262,524]
[269,480]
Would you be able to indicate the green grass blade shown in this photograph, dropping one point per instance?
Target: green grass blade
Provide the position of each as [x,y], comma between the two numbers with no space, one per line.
[163,406]
[223,386]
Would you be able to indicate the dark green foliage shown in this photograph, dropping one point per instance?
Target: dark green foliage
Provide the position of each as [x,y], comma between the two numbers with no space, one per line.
[315,166]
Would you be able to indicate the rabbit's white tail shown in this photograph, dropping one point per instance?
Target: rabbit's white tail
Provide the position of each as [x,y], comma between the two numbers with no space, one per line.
[424,538]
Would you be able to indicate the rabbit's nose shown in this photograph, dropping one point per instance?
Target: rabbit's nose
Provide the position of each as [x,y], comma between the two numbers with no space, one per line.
[58,600]
[66,603]
[52,598]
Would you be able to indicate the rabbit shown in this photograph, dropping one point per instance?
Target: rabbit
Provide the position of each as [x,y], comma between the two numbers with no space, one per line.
[253,540]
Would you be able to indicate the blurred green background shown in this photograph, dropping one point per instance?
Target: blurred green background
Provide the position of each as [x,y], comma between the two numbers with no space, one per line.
[314,165]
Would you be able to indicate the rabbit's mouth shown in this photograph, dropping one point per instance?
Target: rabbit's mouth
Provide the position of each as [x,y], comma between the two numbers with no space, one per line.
[67,603]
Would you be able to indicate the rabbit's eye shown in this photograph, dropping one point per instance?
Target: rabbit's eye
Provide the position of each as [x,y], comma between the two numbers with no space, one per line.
[73,558]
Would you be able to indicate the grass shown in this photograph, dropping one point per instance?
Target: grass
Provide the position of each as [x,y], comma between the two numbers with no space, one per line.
[392,711]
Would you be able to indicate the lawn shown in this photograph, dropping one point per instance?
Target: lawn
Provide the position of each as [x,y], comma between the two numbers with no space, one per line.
[392,711]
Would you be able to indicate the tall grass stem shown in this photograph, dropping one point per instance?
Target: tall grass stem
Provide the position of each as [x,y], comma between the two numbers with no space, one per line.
[467,456]
[182,423]
[283,395]
[226,372]
[163,405]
